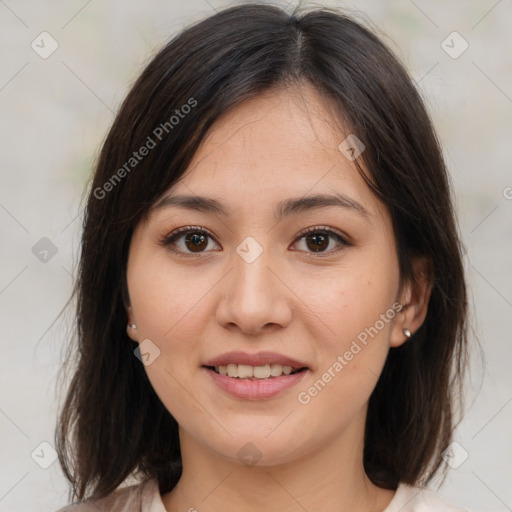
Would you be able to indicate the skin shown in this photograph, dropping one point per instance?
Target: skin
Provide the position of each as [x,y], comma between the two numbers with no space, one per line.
[290,300]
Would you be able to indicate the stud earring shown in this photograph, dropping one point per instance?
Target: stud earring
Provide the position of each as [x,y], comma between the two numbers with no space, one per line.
[407,333]
[132,326]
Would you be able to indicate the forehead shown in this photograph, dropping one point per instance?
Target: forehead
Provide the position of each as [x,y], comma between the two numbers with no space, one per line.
[276,130]
[279,145]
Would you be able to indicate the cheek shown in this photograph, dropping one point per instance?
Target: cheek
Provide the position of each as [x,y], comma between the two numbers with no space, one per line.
[351,359]
[355,313]
[167,304]
[166,299]
[349,301]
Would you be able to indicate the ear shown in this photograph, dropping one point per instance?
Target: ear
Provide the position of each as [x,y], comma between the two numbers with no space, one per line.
[414,297]
[130,329]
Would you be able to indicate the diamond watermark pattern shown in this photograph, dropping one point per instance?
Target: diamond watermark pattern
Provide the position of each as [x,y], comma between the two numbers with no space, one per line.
[44,455]
[44,45]
[455,455]
[352,147]
[147,352]
[454,45]
[249,454]
[44,250]
[249,250]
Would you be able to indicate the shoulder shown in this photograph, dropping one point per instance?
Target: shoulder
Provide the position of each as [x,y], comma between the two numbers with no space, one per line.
[419,499]
[125,499]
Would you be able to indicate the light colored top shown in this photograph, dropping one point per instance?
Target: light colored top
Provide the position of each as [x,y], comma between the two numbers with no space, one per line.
[145,497]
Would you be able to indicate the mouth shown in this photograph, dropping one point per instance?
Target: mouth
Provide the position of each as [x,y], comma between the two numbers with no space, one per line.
[255,376]
[264,379]
[249,372]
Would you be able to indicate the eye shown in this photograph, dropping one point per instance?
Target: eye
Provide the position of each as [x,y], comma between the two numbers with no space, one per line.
[317,239]
[195,240]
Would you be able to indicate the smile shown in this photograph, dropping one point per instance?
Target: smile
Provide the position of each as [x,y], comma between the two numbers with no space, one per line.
[245,371]
[255,388]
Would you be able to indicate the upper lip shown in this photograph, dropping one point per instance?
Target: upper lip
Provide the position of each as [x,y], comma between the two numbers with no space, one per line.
[257,359]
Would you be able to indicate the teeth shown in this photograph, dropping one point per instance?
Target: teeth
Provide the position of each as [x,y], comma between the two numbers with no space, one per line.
[262,372]
[232,370]
[276,370]
[245,371]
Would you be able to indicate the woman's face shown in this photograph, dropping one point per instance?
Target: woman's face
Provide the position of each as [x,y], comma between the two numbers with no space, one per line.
[249,288]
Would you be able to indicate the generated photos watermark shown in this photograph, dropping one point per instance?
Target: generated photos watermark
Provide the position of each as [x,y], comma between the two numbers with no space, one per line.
[305,397]
[157,135]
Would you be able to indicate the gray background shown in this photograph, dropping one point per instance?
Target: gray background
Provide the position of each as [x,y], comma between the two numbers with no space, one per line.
[55,112]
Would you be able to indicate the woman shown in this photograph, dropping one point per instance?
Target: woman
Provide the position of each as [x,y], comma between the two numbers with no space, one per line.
[271,303]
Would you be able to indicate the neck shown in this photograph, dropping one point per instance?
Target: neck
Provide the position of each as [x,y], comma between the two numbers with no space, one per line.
[331,478]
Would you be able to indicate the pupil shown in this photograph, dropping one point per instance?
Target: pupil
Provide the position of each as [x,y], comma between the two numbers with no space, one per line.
[318,241]
[198,241]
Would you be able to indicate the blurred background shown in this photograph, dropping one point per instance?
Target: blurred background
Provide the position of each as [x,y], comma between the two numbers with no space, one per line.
[64,69]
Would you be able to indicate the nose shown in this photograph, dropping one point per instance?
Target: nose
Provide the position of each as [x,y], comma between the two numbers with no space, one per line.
[255,299]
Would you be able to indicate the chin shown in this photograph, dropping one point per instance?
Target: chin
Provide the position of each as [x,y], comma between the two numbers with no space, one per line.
[257,450]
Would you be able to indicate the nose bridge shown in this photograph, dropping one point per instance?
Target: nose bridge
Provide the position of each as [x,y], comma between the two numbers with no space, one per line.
[251,274]
[251,267]
[253,296]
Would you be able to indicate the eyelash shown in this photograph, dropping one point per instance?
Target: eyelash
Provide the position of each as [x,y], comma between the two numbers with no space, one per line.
[170,240]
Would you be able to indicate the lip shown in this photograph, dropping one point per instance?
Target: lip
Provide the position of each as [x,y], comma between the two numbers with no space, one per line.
[255,389]
[257,359]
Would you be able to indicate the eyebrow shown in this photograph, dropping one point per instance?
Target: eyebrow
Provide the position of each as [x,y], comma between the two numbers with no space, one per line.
[282,209]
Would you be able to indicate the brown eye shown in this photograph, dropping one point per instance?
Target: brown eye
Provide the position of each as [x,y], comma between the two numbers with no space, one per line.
[318,239]
[317,242]
[188,241]
[196,242]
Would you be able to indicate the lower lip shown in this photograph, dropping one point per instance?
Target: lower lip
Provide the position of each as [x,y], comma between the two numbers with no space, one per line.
[255,389]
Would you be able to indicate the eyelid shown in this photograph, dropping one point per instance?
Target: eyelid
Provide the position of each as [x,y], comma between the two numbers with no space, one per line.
[314,229]
[184,229]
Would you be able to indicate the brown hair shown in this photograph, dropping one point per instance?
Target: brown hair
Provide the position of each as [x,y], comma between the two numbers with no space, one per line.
[112,424]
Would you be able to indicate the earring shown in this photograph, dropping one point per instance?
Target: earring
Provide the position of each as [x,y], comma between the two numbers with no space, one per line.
[132,326]
[407,333]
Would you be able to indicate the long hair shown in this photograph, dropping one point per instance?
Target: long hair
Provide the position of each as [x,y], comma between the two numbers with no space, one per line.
[112,425]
